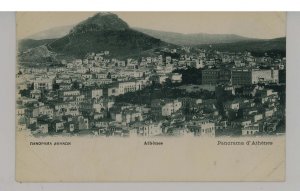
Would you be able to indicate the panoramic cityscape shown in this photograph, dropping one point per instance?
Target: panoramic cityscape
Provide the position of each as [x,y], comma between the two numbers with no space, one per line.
[105,78]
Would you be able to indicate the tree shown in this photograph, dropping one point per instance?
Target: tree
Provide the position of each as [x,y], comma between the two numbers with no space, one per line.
[31,87]
[25,93]
[109,75]
[190,75]
[168,83]
[75,85]
[55,86]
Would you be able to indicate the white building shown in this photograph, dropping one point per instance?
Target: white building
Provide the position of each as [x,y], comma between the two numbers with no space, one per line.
[160,79]
[113,91]
[71,93]
[170,107]
[125,87]
[176,77]
[250,130]
[232,105]
[97,93]
[270,76]
[208,129]
[43,83]
[270,112]
[150,129]
[43,128]
[257,117]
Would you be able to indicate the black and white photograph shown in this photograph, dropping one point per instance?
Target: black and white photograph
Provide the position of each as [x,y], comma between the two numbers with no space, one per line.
[168,74]
[150,96]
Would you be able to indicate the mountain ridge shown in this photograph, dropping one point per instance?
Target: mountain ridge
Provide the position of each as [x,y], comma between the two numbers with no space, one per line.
[103,31]
[193,38]
[52,33]
[99,22]
[106,31]
[256,47]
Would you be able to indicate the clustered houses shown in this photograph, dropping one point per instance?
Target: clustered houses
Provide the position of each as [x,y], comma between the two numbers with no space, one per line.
[165,107]
[255,114]
[81,96]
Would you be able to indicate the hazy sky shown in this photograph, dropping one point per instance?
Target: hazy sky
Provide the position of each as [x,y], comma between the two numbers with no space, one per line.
[250,24]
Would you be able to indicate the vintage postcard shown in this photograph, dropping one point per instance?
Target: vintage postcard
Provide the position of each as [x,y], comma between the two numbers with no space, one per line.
[150,96]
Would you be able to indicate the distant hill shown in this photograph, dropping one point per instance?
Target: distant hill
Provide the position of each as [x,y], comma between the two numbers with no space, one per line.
[257,47]
[37,54]
[26,44]
[193,39]
[102,21]
[106,31]
[119,43]
[53,33]
[103,31]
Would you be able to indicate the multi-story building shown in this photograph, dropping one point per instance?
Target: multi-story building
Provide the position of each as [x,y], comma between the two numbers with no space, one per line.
[165,107]
[208,129]
[150,129]
[241,77]
[253,76]
[125,87]
[126,115]
[210,76]
[202,127]
[176,77]
[264,76]
[43,83]
[215,76]
[97,93]
[250,130]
